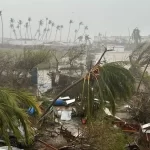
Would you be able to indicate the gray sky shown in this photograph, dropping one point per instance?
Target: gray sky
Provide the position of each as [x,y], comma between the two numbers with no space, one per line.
[111,16]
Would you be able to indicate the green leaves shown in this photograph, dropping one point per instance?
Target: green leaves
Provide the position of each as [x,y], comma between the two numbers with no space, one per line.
[114,83]
[13,117]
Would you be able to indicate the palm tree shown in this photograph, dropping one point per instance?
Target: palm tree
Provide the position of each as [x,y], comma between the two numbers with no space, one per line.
[70,22]
[136,36]
[13,106]
[57,28]
[2,26]
[37,31]
[61,27]
[87,38]
[11,25]
[20,24]
[52,25]
[45,30]
[76,31]
[85,28]
[29,23]
[14,31]
[26,32]
[40,25]
[108,82]
[18,29]
[49,23]
[80,38]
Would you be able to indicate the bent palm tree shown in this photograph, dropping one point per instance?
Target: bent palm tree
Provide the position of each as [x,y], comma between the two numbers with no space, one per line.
[110,82]
[40,25]
[45,30]
[13,116]
[70,22]
[11,25]
[52,25]
[76,31]
[49,22]
[80,24]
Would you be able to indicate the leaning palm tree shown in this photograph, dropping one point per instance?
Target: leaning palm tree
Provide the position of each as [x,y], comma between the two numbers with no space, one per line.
[80,24]
[61,27]
[47,30]
[109,82]
[75,35]
[52,25]
[80,38]
[70,22]
[20,25]
[44,31]
[11,25]
[85,29]
[57,28]
[13,107]
[29,23]
[14,31]
[87,39]
[40,25]
[2,26]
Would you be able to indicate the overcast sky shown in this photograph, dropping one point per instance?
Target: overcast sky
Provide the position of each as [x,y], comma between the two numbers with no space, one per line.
[113,17]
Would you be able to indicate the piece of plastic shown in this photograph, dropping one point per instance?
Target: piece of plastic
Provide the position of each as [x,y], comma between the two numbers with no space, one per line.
[66,115]
[31,111]
[59,102]
[6,148]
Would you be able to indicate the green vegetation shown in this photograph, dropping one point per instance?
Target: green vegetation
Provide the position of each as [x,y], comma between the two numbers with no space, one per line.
[13,114]
[102,136]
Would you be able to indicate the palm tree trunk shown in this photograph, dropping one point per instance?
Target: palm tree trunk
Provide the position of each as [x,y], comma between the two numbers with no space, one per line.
[39,32]
[50,33]
[2,29]
[55,35]
[77,33]
[60,34]
[27,33]
[71,86]
[20,32]
[30,30]
[75,37]
[68,32]
[46,32]
[14,33]
[10,32]
[43,35]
